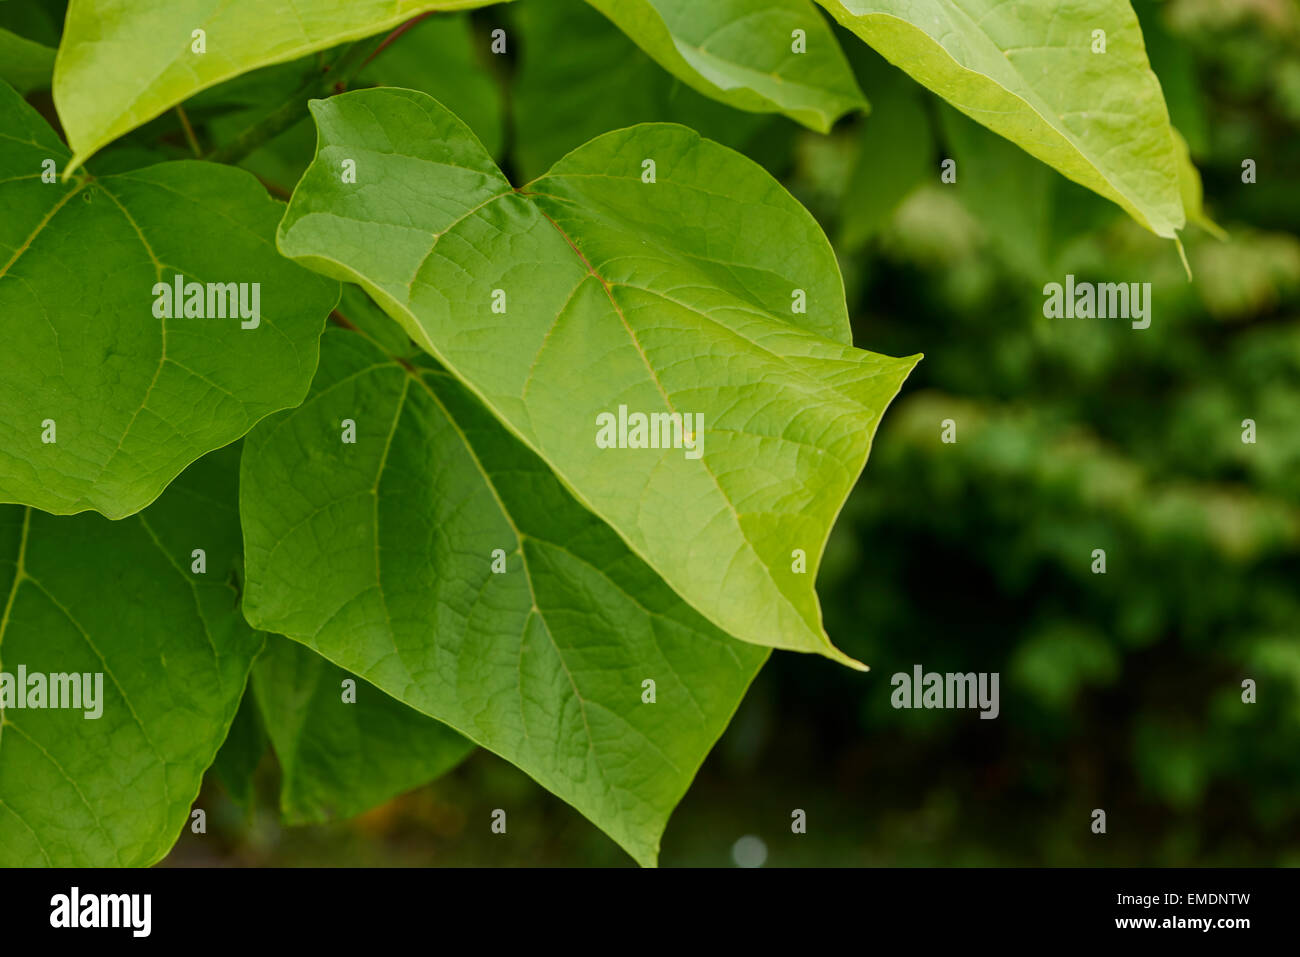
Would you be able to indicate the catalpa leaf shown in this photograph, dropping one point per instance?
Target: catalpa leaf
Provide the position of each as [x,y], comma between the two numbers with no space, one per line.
[656,317]
[1189,182]
[1068,83]
[246,743]
[157,640]
[765,56]
[895,154]
[122,62]
[443,56]
[563,44]
[1026,210]
[343,751]
[29,33]
[25,64]
[442,561]
[113,383]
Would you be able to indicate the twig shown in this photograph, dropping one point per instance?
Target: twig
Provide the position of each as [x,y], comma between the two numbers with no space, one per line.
[189,131]
[397,33]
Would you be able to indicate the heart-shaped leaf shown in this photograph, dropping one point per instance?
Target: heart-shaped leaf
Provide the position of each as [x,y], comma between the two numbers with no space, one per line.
[1068,83]
[723,415]
[438,558]
[86,597]
[112,383]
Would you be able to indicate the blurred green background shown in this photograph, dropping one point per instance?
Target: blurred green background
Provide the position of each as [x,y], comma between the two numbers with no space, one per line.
[1119,691]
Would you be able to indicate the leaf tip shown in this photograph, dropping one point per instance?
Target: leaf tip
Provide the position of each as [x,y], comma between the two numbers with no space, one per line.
[836,655]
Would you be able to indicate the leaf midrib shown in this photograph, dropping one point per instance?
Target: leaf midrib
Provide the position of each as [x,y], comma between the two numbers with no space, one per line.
[654,375]
[410,375]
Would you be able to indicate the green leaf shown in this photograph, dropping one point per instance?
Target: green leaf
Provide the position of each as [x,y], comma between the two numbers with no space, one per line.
[557,107]
[895,155]
[104,403]
[442,56]
[39,20]
[1027,210]
[121,63]
[86,595]
[741,52]
[379,555]
[25,64]
[1189,182]
[437,56]
[1174,62]
[29,33]
[1028,72]
[338,759]
[676,296]
[241,753]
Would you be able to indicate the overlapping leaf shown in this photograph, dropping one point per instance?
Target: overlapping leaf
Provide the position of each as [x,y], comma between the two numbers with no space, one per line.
[246,744]
[29,33]
[557,107]
[85,595]
[440,55]
[24,64]
[1027,211]
[680,295]
[1027,70]
[380,555]
[760,55]
[339,758]
[895,154]
[104,402]
[122,62]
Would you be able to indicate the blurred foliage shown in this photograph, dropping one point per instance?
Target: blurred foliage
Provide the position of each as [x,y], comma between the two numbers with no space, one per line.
[1119,691]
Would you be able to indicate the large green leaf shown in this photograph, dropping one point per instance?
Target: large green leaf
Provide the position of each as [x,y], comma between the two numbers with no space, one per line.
[675,296]
[563,44]
[1026,69]
[379,555]
[85,595]
[742,52]
[122,62]
[337,757]
[134,398]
